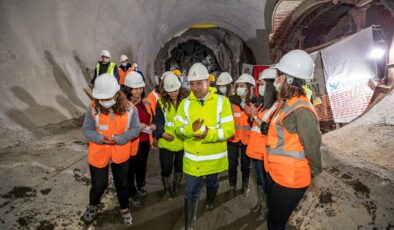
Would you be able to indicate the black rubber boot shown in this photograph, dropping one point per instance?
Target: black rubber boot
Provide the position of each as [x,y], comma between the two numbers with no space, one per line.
[211,194]
[176,182]
[256,209]
[190,213]
[166,186]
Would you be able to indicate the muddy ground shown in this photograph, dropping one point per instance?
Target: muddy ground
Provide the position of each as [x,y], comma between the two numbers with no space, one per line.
[45,184]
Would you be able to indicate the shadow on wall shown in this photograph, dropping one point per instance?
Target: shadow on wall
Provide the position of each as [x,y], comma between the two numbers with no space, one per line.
[35,115]
[63,81]
[82,66]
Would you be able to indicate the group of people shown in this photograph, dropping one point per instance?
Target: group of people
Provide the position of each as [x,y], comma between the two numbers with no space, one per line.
[203,132]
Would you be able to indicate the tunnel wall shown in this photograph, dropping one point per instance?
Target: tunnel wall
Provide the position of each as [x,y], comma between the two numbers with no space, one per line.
[46,47]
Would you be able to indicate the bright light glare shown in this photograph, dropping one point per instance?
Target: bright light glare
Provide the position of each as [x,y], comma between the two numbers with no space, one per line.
[377,53]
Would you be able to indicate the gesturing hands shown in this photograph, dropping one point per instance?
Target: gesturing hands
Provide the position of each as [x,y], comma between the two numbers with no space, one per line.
[198,125]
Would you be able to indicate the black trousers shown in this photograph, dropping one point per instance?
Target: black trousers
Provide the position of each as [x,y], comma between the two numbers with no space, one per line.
[137,167]
[99,177]
[170,160]
[234,150]
[281,201]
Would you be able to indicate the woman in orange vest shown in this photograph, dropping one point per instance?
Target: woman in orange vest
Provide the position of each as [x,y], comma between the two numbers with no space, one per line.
[293,141]
[237,144]
[134,89]
[109,125]
[261,113]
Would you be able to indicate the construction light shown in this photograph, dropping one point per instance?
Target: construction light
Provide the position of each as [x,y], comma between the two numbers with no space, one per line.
[377,53]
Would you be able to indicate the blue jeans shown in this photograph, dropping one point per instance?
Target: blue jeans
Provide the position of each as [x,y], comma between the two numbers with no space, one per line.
[194,185]
[260,173]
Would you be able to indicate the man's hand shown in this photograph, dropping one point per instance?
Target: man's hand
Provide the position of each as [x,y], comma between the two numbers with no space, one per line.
[197,124]
[168,137]
[109,140]
[201,136]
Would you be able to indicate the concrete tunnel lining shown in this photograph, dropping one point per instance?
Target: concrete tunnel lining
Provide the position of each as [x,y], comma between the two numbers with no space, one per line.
[55,56]
[46,48]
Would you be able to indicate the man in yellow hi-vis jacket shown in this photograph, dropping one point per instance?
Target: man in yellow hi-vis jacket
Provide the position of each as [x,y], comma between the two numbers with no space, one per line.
[205,120]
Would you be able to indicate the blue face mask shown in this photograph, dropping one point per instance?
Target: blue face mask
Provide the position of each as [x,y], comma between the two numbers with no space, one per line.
[241,92]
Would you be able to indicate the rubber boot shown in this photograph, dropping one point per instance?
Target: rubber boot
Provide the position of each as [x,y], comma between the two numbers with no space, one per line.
[211,194]
[190,213]
[166,186]
[245,188]
[256,209]
[176,182]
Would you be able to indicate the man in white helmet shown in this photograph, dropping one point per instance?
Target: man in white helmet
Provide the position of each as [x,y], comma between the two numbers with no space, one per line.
[204,119]
[105,66]
[124,68]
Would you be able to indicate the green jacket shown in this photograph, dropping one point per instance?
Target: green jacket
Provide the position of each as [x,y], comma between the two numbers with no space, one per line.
[207,156]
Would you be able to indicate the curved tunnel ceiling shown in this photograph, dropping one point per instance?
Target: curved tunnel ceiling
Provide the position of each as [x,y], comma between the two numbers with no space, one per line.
[53,46]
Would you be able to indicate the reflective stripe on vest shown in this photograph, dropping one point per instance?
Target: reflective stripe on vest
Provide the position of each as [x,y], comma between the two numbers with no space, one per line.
[205,157]
[110,69]
[279,149]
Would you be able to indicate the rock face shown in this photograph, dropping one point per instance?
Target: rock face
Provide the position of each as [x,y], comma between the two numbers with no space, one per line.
[48,48]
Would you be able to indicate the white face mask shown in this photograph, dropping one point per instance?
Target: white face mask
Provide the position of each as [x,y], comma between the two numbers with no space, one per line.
[277,86]
[124,64]
[241,91]
[108,104]
[223,89]
[261,90]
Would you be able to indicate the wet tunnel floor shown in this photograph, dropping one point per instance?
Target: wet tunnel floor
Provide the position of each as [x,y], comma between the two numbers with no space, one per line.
[45,185]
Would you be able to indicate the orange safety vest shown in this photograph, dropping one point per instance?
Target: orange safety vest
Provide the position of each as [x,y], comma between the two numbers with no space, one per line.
[99,155]
[286,161]
[122,74]
[153,97]
[237,114]
[256,147]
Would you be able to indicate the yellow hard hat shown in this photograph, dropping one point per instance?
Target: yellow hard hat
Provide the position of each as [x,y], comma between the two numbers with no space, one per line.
[177,72]
[211,78]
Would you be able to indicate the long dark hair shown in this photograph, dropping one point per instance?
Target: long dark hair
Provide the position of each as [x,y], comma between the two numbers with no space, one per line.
[127,91]
[119,108]
[270,94]
[166,100]
[228,92]
[292,90]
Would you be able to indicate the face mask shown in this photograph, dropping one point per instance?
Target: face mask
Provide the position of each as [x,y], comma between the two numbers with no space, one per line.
[223,89]
[277,86]
[261,90]
[108,104]
[241,91]
[124,64]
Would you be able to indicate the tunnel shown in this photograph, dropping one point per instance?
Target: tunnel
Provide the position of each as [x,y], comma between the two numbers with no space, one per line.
[48,53]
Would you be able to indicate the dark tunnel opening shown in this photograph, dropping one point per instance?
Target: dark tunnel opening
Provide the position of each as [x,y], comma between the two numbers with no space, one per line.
[217,48]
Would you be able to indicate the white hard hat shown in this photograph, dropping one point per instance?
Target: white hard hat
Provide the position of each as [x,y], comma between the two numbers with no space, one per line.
[298,64]
[269,73]
[224,79]
[165,74]
[105,86]
[123,58]
[105,53]
[246,78]
[197,72]
[134,80]
[171,82]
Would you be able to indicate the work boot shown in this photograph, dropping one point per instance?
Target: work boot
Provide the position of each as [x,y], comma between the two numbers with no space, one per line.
[262,214]
[233,190]
[211,194]
[190,213]
[256,209]
[176,182]
[245,188]
[166,186]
